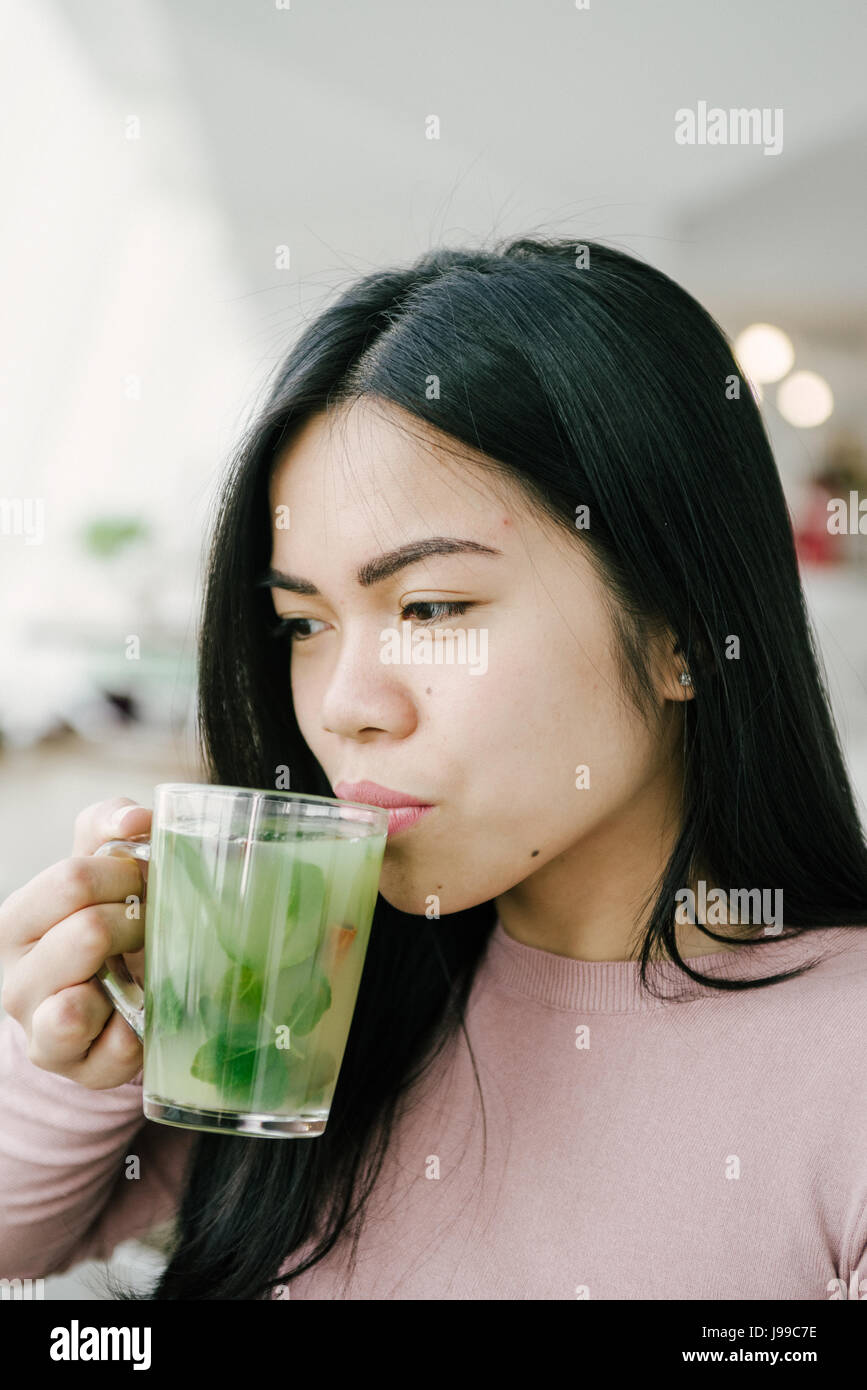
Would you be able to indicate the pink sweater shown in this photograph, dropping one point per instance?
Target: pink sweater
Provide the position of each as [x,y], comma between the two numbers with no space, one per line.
[636,1148]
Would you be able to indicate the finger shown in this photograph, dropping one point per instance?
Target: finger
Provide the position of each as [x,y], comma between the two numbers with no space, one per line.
[64,1025]
[105,820]
[108,1059]
[70,954]
[62,889]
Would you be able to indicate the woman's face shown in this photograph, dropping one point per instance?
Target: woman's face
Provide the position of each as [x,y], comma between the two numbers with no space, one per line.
[495,743]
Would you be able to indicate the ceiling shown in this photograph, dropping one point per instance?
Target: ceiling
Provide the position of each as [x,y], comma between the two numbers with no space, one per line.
[307,126]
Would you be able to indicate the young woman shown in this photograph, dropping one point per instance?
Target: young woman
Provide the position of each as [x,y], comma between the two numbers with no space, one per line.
[556,1085]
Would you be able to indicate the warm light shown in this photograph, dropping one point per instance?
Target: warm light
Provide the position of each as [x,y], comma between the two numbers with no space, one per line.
[805,399]
[764,352]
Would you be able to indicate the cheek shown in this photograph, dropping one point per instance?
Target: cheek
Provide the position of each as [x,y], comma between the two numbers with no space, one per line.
[566,714]
[306,702]
[559,700]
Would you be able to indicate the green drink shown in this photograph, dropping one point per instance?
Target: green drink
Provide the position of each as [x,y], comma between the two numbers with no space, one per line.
[254,948]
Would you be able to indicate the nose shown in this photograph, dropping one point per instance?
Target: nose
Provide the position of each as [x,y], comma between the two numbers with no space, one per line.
[364,695]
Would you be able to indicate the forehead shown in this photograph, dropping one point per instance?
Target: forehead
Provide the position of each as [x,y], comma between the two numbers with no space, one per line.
[353,484]
[374,460]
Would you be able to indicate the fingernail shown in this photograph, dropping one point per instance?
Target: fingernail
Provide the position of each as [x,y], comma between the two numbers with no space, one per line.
[118,820]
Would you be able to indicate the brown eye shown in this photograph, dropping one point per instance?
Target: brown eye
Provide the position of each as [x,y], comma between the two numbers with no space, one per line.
[453,610]
[287,629]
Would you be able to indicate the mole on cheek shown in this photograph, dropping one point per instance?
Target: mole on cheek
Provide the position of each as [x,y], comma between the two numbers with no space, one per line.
[534,853]
[427,692]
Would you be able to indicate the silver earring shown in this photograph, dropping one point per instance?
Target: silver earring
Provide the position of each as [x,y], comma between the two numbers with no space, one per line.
[685,678]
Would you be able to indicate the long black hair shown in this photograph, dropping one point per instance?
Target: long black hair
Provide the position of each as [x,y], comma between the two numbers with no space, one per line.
[591,379]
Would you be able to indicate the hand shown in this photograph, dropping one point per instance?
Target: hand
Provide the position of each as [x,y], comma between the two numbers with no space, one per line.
[57,931]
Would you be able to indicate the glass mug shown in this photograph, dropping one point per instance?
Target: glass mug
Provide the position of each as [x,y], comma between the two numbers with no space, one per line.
[258,909]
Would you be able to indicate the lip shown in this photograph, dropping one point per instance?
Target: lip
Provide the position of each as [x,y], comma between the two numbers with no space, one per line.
[371,794]
[402,817]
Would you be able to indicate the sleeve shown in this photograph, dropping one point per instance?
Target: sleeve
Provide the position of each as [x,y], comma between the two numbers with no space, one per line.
[69,1188]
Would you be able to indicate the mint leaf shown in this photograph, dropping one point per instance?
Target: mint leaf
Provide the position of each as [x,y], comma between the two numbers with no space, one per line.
[237,1000]
[164,1009]
[185,853]
[240,991]
[209,1014]
[244,1071]
[310,1005]
[321,1073]
[246,930]
[302,995]
[304,916]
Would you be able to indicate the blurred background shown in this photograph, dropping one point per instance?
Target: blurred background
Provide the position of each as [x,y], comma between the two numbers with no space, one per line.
[187,184]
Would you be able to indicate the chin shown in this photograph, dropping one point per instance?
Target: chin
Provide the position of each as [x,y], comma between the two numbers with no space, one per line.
[402,891]
[412,893]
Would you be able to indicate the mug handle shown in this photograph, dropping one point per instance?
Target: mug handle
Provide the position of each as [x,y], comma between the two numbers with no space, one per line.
[126,995]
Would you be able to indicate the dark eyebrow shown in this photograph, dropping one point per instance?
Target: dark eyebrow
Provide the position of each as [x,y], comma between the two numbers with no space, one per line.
[382,566]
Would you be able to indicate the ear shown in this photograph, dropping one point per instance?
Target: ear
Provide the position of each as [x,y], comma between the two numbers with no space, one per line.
[669,665]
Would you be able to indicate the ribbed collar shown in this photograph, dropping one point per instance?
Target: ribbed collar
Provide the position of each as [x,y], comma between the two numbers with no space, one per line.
[614,986]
